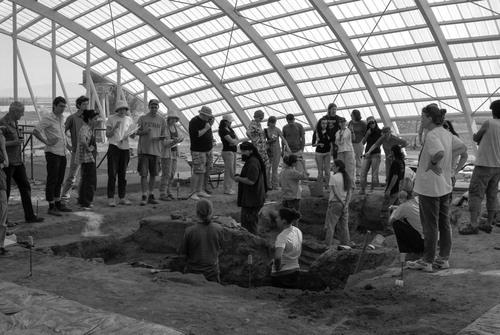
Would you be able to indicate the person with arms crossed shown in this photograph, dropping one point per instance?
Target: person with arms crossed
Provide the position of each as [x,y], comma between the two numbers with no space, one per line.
[50,131]
[73,124]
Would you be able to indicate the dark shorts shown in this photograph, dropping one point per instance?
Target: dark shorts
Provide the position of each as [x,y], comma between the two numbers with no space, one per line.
[148,164]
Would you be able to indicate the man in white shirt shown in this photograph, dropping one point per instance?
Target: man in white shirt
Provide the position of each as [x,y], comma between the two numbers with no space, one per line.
[50,131]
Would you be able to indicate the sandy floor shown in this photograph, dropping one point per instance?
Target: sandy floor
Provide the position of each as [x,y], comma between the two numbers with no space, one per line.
[443,302]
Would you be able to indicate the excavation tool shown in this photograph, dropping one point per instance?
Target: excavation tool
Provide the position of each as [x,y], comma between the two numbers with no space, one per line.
[250,262]
[363,252]
[189,196]
[400,282]
[159,270]
[30,246]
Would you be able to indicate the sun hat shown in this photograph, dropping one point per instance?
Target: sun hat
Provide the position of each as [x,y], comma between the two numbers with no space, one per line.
[172,113]
[121,104]
[206,111]
[228,117]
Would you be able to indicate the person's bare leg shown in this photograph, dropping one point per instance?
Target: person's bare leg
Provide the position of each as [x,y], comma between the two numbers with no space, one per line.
[474,215]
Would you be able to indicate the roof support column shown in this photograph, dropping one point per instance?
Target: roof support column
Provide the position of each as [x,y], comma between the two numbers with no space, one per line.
[53,57]
[189,53]
[90,37]
[335,26]
[14,51]
[437,33]
[271,57]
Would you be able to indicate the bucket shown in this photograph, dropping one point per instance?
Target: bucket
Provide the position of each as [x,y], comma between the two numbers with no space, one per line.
[316,189]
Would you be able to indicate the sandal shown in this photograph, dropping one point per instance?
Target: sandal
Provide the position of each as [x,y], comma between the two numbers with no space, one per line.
[468,230]
[485,228]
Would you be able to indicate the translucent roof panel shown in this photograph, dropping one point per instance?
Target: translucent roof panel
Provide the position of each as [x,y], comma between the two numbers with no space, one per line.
[381,57]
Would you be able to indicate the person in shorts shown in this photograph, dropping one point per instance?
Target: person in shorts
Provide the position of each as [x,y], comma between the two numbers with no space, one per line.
[202,141]
[152,134]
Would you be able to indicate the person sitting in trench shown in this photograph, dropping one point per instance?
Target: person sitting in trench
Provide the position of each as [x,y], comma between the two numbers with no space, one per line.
[285,270]
[405,220]
[201,244]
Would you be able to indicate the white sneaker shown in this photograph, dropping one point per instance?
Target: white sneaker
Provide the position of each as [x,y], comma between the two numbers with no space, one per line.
[125,202]
[111,202]
[203,194]
[194,197]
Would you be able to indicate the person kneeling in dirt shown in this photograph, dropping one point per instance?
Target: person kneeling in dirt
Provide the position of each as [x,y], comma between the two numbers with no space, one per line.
[405,220]
[285,271]
[201,243]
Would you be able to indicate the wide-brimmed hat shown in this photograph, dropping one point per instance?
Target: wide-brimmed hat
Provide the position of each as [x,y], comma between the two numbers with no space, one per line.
[228,117]
[121,104]
[172,113]
[206,111]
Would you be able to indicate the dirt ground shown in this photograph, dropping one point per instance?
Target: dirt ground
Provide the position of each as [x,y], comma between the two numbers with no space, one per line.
[443,302]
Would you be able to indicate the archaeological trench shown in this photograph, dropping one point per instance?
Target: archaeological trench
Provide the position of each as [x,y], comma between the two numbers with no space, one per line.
[155,242]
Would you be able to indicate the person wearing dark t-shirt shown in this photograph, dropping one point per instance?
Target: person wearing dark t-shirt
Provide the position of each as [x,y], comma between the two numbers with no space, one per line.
[372,160]
[396,174]
[202,141]
[229,142]
[333,126]
[200,246]
[252,186]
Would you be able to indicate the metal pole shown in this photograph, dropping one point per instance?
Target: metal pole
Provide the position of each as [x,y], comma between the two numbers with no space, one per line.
[14,50]
[53,54]
[30,89]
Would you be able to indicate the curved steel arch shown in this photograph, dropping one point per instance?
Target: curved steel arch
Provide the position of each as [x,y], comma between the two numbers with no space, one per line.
[104,47]
[184,48]
[437,33]
[335,26]
[271,57]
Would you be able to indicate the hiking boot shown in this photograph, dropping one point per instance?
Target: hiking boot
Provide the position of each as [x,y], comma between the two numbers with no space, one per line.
[419,265]
[203,194]
[54,211]
[468,230]
[152,200]
[35,219]
[165,197]
[440,263]
[125,202]
[144,200]
[111,202]
[63,209]
[486,228]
